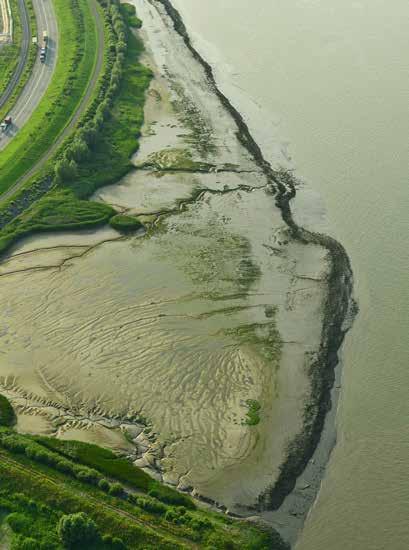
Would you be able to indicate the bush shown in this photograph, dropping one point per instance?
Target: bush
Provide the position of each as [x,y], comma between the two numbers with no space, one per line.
[65,170]
[76,530]
[170,496]
[7,416]
[116,489]
[151,505]
[18,522]
[23,543]
[104,485]
[125,224]
[113,542]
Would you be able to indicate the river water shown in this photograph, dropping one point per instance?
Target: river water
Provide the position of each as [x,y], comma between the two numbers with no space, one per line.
[325,85]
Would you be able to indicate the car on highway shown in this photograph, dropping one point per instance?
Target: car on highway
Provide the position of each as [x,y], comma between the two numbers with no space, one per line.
[5,124]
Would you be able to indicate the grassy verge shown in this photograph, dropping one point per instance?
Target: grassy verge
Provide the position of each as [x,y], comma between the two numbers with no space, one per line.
[77,50]
[28,67]
[43,480]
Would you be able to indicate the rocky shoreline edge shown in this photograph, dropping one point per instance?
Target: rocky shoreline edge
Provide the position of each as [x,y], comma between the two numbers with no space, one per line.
[338,309]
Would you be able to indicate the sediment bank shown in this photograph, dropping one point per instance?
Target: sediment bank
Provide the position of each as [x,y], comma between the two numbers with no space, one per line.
[337,304]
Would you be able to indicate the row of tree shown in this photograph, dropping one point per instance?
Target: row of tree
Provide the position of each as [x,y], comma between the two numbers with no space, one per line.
[85,139]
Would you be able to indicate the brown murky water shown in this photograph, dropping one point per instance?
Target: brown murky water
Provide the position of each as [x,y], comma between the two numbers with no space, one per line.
[327,82]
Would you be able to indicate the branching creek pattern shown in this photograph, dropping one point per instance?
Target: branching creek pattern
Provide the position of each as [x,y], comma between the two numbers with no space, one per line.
[204,348]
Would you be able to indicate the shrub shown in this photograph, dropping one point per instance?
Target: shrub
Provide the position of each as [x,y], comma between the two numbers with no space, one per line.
[170,496]
[86,475]
[116,489]
[26,544]
[18,522]
[104,485]
[113,542]
[76,530]
[65,170]
[124,223]
[151,505]
[7,416]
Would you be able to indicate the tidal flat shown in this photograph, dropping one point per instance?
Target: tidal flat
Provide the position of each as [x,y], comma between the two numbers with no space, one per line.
[156,344]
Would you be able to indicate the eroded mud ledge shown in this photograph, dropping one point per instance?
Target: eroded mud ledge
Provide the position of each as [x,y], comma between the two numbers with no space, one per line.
[339,307]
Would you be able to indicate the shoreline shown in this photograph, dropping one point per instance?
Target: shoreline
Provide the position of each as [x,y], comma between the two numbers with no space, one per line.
[338,304]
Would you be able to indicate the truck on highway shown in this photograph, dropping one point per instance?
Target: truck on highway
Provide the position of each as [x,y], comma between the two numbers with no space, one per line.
[43,49]
[5,124]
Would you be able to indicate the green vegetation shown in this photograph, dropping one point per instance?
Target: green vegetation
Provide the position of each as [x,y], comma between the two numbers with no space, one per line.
[56,211]
[175,159]
[77,50]
[109,157]
[75,530]
[5,55]
[101,459]
[50,498]
[111,465]
[129,12]
[125,223]
[99,152]
[253,413]
[7,416]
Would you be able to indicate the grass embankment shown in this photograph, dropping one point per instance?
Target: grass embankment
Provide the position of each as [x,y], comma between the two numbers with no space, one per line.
[76,58]
[43,480]
[100,150]
[32,55]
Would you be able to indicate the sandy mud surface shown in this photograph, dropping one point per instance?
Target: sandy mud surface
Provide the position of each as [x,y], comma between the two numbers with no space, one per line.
[165,336]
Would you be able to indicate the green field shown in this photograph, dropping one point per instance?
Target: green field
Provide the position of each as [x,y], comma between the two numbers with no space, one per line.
[44,481]
[76,59]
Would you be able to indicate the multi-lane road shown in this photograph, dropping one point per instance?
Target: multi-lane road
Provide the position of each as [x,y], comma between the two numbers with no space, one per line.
[41,75]
[25,48]
[32,93]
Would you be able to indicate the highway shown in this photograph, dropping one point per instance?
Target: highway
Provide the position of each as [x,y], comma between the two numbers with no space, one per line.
[25,48]
[77,113]
[41,74]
